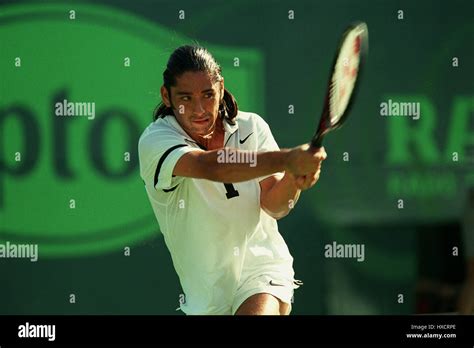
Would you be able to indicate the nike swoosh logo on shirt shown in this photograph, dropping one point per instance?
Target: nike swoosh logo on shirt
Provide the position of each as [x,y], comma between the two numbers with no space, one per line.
[245,139]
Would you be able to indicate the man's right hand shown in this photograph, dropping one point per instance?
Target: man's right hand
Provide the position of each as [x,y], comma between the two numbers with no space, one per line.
[303,160]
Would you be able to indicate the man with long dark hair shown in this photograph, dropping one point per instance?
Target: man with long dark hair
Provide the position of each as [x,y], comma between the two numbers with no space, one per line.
[217,182]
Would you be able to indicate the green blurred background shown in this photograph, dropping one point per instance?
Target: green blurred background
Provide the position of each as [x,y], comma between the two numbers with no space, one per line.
[113,54]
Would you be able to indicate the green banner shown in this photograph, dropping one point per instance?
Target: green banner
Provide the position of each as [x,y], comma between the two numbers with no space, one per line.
[78,87]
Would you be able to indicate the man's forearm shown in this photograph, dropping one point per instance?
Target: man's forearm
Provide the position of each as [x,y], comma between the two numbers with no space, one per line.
[281,198]
[216,164]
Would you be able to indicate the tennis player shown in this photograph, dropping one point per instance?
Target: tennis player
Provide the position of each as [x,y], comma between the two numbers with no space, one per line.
[217,182]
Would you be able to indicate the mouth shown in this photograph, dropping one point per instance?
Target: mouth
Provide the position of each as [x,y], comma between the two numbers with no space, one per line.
[201,121]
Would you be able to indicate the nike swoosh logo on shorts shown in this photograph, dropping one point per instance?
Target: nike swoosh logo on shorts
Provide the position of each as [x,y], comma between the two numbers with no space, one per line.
[274,284]
[244,140]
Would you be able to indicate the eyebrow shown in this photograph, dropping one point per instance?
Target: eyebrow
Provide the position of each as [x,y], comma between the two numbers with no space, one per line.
[189,93]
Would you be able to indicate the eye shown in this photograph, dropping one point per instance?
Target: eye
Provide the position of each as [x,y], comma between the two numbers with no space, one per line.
[186,98]
[209,95]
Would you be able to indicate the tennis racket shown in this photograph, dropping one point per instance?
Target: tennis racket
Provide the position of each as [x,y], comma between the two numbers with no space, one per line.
[343,81]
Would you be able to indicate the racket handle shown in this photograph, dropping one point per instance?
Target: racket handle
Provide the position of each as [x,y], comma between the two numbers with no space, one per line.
[317,141]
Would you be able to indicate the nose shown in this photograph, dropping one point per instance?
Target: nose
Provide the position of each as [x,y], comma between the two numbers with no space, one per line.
[198,110]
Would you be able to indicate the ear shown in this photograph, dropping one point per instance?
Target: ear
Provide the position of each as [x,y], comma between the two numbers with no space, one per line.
[165,96]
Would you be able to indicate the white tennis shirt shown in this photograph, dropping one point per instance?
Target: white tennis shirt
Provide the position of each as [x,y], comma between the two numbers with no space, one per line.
[212,232]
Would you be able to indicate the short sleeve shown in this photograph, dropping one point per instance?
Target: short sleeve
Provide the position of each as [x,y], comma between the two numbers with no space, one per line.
[266,141]
[158,152]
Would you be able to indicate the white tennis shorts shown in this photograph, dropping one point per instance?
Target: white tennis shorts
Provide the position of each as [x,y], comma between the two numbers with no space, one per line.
[276,284]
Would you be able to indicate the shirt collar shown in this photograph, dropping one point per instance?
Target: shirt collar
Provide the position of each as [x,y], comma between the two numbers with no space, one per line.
[231,128]
[175,124]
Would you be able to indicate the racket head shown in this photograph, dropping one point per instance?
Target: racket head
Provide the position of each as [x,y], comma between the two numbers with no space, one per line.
[344,79]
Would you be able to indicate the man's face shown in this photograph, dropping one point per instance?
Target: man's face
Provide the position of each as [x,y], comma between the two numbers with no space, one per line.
[195,100]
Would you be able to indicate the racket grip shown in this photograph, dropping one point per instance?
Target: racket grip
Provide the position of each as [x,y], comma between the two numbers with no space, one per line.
[317,142]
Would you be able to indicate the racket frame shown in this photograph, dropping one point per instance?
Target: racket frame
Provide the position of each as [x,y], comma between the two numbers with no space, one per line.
[325,125]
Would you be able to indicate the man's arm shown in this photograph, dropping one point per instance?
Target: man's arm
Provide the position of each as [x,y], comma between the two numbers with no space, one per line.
[205,165]
[279,196]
